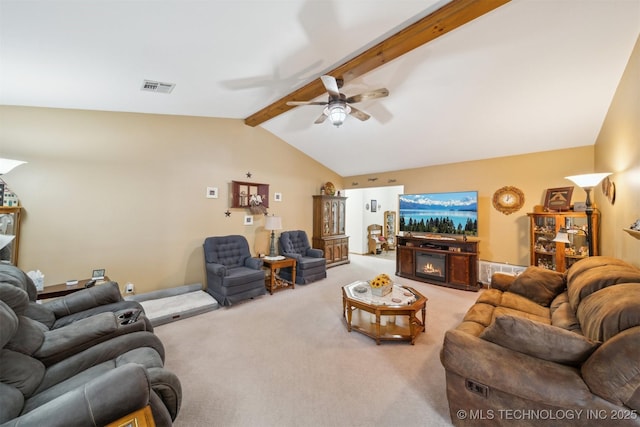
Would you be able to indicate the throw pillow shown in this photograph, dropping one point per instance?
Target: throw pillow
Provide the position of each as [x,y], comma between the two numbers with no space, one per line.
[539,285]
[539,340]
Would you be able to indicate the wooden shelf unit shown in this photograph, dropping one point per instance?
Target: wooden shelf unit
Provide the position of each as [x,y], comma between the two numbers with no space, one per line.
[460,260]
[544,226]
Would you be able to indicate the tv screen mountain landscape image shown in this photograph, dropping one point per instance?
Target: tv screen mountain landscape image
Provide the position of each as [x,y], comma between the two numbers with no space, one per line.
[453,213]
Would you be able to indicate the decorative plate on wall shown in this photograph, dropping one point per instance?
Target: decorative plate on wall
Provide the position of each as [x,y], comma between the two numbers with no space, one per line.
[508,200]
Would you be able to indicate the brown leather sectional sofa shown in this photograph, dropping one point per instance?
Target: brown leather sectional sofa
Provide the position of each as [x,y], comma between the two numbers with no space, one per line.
[549,349]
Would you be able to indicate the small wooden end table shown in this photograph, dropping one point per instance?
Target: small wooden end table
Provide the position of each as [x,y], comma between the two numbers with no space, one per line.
[63,289]
[272,281]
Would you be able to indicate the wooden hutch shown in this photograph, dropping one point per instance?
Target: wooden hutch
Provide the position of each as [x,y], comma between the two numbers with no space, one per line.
[329,216]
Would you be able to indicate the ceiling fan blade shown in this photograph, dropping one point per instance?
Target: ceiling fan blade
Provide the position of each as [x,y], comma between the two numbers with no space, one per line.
[360,115]
[331,85]
[321,119]
[379,93]
[306,103]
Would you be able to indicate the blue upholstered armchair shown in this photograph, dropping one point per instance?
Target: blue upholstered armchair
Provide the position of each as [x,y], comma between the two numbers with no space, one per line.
[232,274]
[310,263]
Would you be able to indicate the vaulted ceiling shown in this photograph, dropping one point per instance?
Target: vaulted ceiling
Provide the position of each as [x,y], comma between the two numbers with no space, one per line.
[491,79]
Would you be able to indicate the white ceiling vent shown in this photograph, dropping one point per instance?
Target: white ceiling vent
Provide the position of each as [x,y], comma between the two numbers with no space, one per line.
[160,87]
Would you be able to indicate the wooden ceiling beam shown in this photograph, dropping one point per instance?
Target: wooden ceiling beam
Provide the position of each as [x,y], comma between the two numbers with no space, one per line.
[449,17]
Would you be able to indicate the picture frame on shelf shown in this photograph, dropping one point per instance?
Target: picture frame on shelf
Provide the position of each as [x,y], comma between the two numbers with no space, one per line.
[98,274]
[558,199]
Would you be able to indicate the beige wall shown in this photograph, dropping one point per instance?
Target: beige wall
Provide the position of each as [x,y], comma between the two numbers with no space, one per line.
[126,192]
[618,150]
[503,238]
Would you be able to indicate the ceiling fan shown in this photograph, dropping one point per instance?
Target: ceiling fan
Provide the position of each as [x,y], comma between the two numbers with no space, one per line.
[338,105]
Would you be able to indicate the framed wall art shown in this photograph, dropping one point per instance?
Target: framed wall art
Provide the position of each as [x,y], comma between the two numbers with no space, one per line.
[248,220]
[558,199]
[374,205]
[212,192]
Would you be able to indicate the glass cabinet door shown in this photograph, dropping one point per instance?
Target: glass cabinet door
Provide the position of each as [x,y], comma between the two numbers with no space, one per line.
[9,234]
[577,233]
[341,218]
[544,231]
[326,215]
[334,217]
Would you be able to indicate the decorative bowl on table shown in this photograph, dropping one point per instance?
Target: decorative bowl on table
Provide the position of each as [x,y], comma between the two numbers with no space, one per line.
[381,285]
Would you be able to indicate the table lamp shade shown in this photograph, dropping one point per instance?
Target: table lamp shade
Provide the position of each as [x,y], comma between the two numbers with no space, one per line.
[273,223]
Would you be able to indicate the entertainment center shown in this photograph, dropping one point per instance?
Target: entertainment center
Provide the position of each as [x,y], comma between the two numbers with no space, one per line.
[444,261]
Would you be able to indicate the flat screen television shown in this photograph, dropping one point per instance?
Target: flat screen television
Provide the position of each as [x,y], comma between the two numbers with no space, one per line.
[453,213]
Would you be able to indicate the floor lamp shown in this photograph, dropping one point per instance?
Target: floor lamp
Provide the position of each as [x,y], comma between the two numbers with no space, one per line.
[273,223]
[587,182]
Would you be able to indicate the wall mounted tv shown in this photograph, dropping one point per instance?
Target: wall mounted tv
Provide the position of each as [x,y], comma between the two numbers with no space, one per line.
[453,213]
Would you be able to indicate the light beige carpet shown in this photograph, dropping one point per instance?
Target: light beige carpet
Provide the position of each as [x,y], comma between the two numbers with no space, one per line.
[287,359]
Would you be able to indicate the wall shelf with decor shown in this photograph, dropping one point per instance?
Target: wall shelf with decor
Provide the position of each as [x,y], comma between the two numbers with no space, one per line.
[558,256]
[329,218]
[243,194]
[439,261]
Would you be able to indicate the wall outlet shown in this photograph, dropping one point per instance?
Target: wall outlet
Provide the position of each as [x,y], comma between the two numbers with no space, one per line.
[128,289]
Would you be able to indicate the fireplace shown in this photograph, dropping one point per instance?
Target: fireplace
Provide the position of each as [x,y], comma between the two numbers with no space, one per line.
[431,266]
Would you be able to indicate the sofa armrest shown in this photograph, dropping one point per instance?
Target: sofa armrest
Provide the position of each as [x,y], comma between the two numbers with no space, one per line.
[314,253]
[254,263]
[102,352]
[167,386]
[100,401]
[85,299]
[293,255]
[216,269]
[498,367]
[78,336]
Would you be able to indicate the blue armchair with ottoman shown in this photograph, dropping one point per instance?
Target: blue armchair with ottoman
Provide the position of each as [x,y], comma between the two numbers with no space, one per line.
[310,263]
[232,274]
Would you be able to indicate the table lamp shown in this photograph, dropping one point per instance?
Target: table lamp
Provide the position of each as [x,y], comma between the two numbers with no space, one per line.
[273,223]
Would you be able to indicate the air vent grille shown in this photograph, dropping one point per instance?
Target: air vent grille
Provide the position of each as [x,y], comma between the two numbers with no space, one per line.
[154,86]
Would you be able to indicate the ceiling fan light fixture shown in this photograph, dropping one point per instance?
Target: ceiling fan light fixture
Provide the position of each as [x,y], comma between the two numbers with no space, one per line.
[337,113]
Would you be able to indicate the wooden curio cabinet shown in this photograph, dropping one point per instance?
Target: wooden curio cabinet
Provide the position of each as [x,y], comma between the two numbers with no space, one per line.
[329,216]
[390,229]
[544,227]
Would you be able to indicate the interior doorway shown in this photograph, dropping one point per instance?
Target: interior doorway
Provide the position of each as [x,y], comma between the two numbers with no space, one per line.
[361,212]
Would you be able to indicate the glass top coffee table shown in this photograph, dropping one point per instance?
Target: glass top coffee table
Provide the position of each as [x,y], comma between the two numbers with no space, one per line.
[393,317]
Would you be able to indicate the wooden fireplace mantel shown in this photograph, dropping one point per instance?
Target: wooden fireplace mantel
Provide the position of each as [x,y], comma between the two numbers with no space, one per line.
[461,264]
